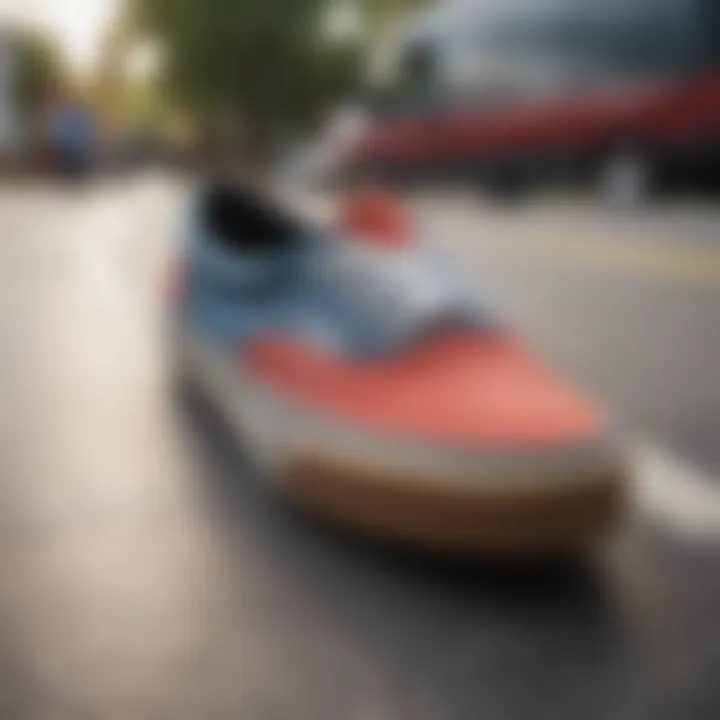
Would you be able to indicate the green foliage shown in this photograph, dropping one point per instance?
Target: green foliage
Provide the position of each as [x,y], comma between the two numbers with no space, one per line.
[379,16]
[264,65]
[39,71]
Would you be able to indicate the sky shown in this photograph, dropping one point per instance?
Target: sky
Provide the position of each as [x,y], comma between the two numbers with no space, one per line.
[79,25]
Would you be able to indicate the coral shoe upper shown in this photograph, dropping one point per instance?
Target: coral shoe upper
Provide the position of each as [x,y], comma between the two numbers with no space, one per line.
[464,387]
[374,216]
[379,334]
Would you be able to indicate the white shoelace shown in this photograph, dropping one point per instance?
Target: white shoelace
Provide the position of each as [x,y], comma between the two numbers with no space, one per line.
[403,289]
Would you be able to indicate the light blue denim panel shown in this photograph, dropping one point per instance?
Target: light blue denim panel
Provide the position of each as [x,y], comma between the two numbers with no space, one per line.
[231,297]
[299,291]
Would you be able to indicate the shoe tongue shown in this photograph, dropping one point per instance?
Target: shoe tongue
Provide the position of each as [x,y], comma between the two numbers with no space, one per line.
[377,218]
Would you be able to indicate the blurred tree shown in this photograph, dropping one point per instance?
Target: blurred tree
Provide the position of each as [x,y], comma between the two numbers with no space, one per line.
[40,72]
[260,69]
[378,17]
[110,75]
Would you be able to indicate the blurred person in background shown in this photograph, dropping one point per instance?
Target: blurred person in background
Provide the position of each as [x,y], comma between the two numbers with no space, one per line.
[72,133]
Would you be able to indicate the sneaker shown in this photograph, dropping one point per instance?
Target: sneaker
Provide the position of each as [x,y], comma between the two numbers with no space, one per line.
[373,390]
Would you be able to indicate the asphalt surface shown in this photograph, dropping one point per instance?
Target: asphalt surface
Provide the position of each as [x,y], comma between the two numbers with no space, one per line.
[147,574]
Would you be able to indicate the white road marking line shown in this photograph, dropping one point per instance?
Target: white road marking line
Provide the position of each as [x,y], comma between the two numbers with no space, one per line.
[682,498]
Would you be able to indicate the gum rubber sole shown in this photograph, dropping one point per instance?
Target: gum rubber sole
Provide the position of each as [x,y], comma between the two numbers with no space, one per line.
[551,515]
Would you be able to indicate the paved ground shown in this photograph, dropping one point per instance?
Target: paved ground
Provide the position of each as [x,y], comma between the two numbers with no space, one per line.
[146,575]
